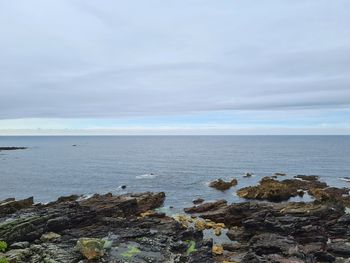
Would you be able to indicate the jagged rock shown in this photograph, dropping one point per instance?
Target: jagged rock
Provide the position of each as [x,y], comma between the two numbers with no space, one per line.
[117,220]
[11,206]
[222,185]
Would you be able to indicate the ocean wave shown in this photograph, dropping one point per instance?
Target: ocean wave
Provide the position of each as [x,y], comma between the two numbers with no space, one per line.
[147,176]
[346,179]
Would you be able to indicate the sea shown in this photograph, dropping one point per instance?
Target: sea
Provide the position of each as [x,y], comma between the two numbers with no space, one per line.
[181,166]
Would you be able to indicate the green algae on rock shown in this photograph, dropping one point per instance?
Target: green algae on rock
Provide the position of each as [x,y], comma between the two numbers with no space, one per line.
[91,248]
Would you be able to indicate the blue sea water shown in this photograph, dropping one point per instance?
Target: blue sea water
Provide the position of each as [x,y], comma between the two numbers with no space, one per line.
[181,166]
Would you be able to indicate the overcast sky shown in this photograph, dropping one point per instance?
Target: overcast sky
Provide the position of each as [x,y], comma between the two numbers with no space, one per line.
[175,67]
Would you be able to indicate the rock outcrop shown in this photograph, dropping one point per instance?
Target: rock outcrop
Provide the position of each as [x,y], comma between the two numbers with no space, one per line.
[292,232]
[222,185]
[105,228]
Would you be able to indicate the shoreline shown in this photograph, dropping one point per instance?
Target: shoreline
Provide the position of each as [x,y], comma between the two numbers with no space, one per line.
[131,228]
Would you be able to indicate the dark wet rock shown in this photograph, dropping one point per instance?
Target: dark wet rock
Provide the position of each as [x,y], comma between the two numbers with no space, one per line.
[126,225]
[284,232]
[7,200]
[269,243]
[207,207]
[12,148]
[279,174]
[222,185]
[198,201]
[307,177]
[11,206]
[237,234]
[339,248]
[69,198]
[20,245]
[248,175]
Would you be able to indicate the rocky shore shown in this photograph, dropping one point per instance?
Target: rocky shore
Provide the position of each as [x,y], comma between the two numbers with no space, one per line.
[129,228]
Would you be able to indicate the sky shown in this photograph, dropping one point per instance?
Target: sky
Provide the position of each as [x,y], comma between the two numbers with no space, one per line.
[174,67]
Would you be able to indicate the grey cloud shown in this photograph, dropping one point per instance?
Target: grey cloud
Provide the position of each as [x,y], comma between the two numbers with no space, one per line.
[131,58]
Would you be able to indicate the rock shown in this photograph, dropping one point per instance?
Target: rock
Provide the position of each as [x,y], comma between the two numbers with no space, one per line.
[70,198]
[307,177]
[268,189]
[12,148]
[276,191]
[206,207]
[91,248]
[58,223]
[12,206]
[269,243]
[50,236]
[116,221]
[339,248]
[7,200]
[200,224]
[18,255]
[237,234]
[222,185]
[331,194]
[217,250]
[279,174]
[248,175]
[217,231]
[19,245]
[123,187]
[198,201]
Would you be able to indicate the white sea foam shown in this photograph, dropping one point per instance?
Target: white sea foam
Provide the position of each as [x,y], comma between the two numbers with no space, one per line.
[147,176]
[346,179]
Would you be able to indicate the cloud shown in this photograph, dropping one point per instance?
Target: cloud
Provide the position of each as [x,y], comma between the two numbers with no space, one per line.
[114,59]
